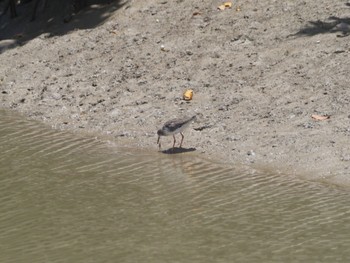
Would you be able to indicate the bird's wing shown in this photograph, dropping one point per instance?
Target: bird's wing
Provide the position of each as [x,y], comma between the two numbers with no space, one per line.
[173,124]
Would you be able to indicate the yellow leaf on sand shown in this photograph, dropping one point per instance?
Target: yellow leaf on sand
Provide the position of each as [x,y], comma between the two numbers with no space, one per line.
[225,5]
[188,94]
[320,117]
[221,7]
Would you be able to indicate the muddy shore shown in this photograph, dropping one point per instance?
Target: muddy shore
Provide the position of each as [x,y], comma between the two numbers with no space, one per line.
[259,71]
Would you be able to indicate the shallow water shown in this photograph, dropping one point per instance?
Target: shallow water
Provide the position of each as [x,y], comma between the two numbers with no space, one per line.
[65,198]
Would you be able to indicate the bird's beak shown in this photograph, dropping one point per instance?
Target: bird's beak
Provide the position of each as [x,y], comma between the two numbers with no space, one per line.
[158,142]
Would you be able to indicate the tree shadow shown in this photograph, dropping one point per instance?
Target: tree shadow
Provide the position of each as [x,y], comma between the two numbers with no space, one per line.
[331,25]
[54,19]
[177,150]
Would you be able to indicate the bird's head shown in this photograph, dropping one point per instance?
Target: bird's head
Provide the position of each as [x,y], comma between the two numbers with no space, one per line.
[160,133]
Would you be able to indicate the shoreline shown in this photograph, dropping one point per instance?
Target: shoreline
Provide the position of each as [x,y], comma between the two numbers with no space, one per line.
[257,79]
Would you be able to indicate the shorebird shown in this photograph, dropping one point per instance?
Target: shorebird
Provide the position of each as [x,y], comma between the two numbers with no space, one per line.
[173,127]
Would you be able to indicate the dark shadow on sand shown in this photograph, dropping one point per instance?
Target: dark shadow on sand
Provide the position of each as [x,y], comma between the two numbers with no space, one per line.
[54,20]
[331,25]
[177,150]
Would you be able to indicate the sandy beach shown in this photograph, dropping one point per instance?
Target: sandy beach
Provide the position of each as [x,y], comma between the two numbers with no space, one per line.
[270,79]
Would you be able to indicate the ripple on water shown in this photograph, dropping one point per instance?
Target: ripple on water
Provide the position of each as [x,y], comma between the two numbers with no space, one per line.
[65,198]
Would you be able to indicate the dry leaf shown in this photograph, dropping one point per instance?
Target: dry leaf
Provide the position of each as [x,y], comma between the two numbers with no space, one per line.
[221,7]
[188,94]
[225,5]
[320,117]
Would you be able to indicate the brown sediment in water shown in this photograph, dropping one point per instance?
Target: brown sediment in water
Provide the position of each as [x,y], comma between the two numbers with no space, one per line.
[258,74]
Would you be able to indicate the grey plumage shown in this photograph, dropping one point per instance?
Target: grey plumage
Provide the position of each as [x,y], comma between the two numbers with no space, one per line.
[173,127]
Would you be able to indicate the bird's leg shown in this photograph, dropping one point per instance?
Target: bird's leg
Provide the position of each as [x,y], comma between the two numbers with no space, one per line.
[158,142]
[182,138]
[174,142]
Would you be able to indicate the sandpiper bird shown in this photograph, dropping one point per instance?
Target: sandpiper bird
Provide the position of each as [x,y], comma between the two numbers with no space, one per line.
[173,127]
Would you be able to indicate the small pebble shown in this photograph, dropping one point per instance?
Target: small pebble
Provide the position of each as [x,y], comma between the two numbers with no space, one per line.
[251,153]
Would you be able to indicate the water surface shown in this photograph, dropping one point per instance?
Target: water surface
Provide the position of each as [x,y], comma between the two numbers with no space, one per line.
[65,198]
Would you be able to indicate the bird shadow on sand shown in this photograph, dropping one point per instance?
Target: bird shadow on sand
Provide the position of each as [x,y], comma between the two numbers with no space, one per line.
[178,150]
